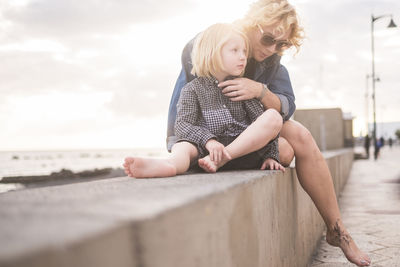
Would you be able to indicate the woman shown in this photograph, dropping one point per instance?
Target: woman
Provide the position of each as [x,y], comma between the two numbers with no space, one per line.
[271,27]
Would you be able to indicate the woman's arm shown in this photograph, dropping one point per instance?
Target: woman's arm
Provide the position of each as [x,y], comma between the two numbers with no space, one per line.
[277,94]
[281,86]
[243,89]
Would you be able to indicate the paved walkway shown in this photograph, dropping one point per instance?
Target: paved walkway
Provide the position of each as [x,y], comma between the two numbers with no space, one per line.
[370,206]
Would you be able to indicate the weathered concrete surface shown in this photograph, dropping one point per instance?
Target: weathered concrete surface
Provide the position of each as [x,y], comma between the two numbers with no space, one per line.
[326,126]
[241,218]
[370,206]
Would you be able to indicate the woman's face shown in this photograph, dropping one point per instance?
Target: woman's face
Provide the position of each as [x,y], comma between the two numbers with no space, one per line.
[259,49]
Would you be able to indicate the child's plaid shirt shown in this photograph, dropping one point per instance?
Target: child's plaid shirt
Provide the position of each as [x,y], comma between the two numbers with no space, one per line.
[203,113]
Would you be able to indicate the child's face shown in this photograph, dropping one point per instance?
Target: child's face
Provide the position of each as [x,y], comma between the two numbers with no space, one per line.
[233,55]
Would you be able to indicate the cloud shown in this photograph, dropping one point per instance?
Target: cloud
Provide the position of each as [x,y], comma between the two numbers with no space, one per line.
[76,46]
[134,90]
[70,18]
[35,72]
[142,95]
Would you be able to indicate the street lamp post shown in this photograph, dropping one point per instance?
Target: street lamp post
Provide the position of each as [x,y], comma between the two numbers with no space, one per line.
[391,25]
[367,104]
[377,79]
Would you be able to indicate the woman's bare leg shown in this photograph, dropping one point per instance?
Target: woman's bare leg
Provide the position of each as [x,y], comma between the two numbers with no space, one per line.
[314,176]
[256,136]
[178,162]
[286,152]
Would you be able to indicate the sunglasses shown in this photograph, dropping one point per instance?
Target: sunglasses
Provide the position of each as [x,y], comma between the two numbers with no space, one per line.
[268,40]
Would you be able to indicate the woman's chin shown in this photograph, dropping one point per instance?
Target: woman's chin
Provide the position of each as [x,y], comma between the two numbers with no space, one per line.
[259,57]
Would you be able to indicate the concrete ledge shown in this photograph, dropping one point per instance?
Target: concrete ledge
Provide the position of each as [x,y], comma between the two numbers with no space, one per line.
[241,218]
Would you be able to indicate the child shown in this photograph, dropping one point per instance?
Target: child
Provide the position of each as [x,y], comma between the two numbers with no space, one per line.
[219,132]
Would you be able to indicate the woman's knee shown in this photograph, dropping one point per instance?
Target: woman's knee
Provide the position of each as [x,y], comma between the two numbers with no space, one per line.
[286,152]
[296,134]
[304,136]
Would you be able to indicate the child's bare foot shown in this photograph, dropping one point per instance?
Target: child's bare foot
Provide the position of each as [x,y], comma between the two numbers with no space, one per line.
[148,168]
[339,237]
[207,164]
[211,166]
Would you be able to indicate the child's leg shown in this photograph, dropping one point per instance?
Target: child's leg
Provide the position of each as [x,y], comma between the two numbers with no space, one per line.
[177,163]
[256,136]
[182,154]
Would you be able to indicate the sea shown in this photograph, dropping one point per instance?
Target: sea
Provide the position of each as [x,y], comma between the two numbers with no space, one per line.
[32,163]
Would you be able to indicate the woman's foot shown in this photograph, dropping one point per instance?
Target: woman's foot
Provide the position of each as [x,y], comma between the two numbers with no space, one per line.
[148,168]
[339,237]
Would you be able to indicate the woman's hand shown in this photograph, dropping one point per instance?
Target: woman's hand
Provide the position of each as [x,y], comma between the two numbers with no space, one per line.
[217,151]
[241,89]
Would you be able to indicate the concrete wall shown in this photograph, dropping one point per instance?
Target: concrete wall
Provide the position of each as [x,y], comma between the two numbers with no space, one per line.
[325,125]
[241,218]
[348,132]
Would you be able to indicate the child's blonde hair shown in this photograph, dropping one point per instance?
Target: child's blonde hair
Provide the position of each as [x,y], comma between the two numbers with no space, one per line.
[206,53]
[274,13]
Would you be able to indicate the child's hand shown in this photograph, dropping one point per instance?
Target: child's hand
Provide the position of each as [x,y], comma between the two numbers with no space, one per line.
[272,164]
[217,151]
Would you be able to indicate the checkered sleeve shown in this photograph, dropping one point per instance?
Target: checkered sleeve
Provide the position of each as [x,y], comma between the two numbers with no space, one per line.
[187,125]
[272,150]
[253,108]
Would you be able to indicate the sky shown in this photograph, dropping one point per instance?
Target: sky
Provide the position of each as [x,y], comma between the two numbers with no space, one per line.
[99,74]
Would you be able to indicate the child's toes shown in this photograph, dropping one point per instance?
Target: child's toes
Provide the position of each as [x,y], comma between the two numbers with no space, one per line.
[129,160]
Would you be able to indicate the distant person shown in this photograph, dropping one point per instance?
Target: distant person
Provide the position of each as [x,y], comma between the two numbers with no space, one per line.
[378,145]
[382,141]
[272,27]
[367,144]
[212,130]
[390,142]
